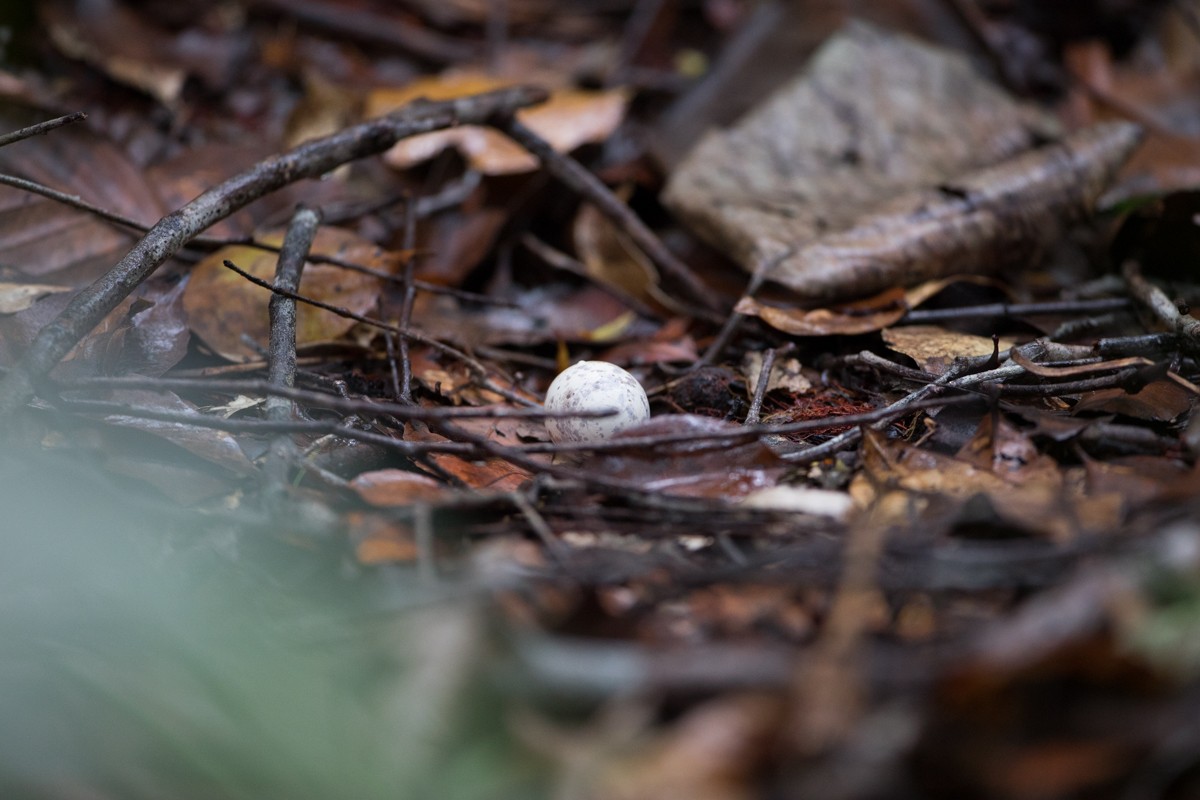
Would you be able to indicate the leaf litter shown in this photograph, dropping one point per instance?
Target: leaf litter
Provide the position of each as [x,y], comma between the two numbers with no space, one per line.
[849,556]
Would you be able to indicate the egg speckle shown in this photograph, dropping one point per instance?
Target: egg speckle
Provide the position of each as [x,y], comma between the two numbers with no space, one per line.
[595,386]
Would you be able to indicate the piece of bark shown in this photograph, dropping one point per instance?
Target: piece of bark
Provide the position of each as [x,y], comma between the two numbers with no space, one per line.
[887,163]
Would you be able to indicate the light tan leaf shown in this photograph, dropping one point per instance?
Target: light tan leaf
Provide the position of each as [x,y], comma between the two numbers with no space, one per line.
[567,120]
[16,297]
[934,348]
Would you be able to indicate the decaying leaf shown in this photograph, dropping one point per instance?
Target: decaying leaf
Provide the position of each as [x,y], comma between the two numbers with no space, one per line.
[890,162]
[223,307]
[567,120]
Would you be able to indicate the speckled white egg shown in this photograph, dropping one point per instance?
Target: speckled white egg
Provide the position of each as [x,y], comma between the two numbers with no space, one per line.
[595,386]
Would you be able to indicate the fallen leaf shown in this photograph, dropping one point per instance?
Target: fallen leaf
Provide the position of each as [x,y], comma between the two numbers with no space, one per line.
[223,307]
[397,487]
[786,374]
[865,315]
[849,319]
[215,446]
[1159,401]
[717,470]
[40,237]
[570,118]
[16,297]
[889,162]
[934,348]
[613,260]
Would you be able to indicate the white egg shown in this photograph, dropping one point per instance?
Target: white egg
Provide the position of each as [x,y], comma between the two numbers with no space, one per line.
[595,386]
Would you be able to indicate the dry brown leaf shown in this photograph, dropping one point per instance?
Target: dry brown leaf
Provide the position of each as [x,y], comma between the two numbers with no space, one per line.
[222,307]
[786,374]
[859,316]
[889,162]
[570,118]
[40,237]
[934,348]
[490,474]
[1031,497]
[382,541]
[849,319]
[1159,401]
[613,260]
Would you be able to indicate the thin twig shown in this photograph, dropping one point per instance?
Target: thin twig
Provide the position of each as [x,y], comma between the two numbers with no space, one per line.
[309,160]
[633,37]
[390,30]
[281,369]
[591,188]
[281,362]
[265,427]
[730,326]
[1155,301]
[1016,309]
[410,296]
[538,524]
[211,243]
[320,399]
[40,128]
[476,367]
[760,390]
[560,260]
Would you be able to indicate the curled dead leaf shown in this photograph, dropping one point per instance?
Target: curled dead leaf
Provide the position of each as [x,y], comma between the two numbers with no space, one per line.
[866,315]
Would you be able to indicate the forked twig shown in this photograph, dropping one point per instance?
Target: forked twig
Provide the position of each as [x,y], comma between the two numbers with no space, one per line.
[309,160]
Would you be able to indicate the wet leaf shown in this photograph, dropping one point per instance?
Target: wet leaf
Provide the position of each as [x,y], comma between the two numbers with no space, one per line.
[1160,401]
[567,120]
[40,237]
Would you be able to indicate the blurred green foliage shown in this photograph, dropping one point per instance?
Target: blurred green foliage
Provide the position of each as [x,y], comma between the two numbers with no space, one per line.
[150,653]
